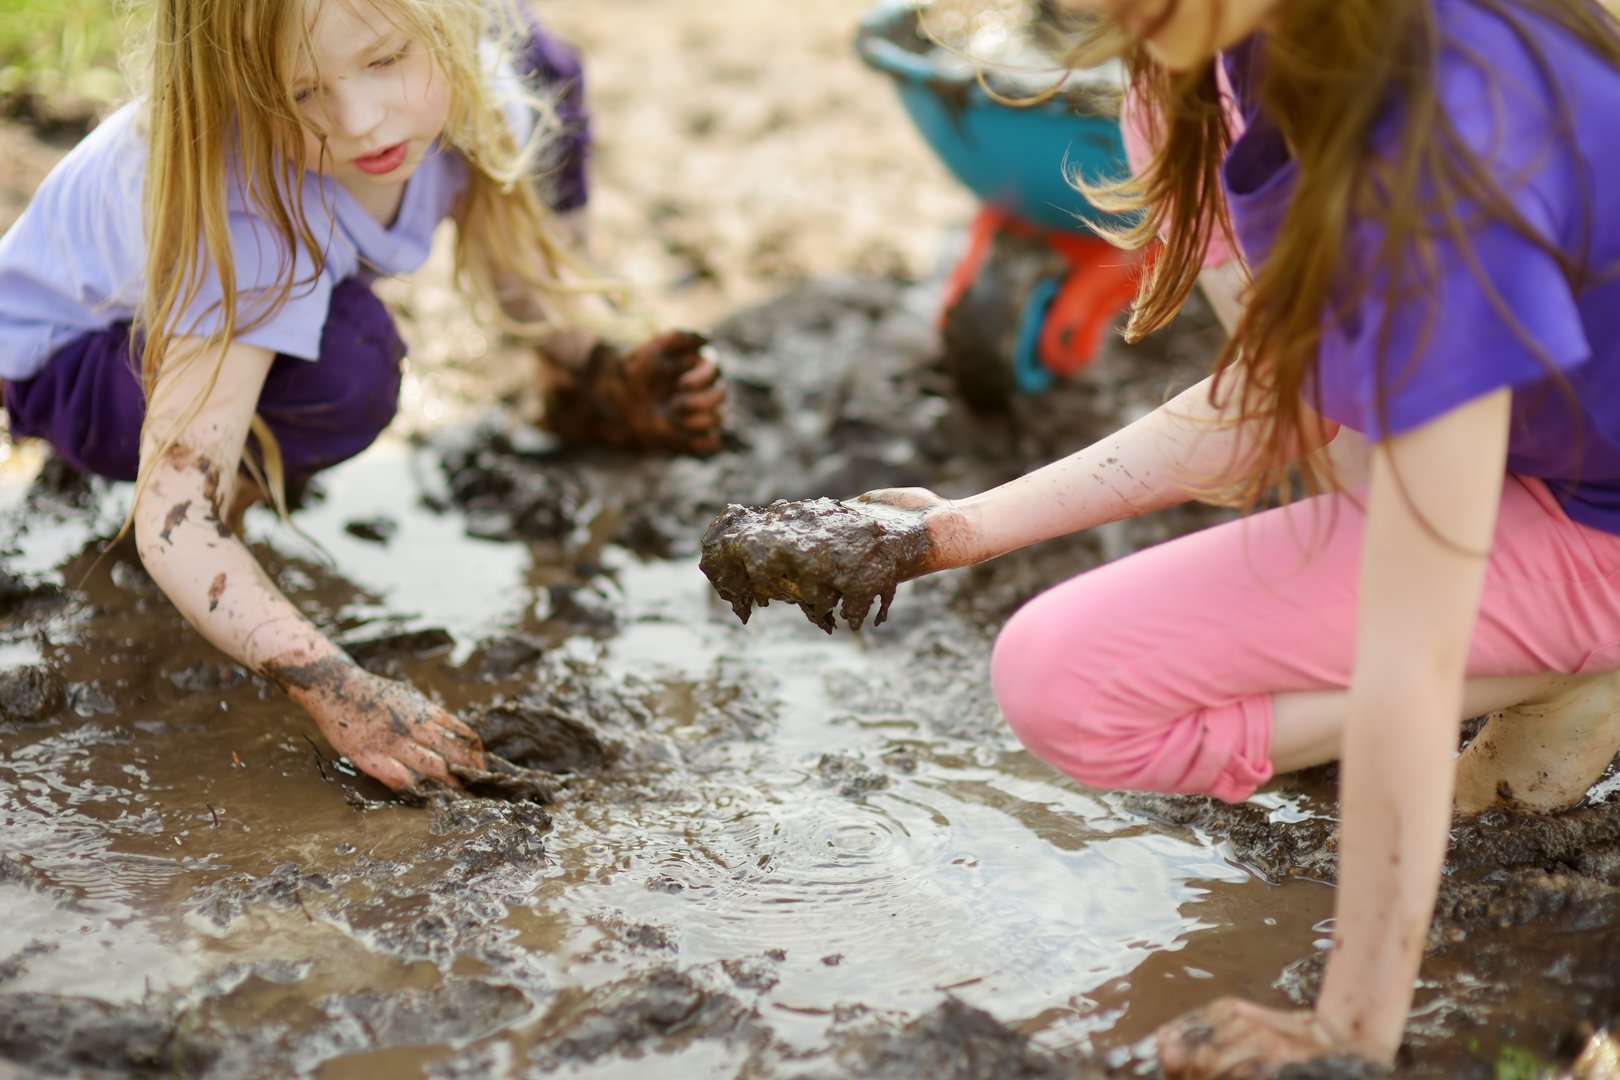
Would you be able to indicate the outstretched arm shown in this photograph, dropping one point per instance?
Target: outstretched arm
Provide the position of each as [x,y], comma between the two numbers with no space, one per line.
[386,728]
[1185,448]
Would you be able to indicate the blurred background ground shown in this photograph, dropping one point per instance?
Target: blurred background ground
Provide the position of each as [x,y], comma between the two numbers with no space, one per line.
[740,145]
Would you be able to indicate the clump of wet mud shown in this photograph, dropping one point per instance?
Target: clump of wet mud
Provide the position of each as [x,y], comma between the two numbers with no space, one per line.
[820,554]
[89,1037]
[537,735]
[651,1013]
[30,693]
[1277,851]
[958,1042]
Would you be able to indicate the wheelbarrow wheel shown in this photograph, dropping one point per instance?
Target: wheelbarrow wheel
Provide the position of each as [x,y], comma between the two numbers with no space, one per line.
[981,331]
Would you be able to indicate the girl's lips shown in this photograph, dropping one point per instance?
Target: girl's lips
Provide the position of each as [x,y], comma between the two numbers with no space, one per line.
[383,161]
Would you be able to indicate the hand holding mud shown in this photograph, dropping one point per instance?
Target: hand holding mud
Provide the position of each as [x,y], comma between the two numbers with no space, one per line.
[824,555]
[665,395]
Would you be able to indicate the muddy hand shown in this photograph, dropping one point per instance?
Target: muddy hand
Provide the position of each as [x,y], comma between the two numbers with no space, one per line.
[664,395]
[1235,1038]
[822,555]
[676,377]
[943,523]
[391,731]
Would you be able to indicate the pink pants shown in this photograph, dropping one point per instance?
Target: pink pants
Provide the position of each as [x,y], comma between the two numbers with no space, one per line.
[1157,672]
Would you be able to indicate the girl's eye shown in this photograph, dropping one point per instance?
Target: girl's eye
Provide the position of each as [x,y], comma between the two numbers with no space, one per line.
[391,59]
[302,95]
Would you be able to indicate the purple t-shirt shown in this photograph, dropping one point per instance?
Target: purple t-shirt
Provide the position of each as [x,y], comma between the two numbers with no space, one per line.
[1446,351]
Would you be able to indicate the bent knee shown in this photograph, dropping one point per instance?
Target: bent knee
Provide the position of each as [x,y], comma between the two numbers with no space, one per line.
[1043,684]
[1056,684]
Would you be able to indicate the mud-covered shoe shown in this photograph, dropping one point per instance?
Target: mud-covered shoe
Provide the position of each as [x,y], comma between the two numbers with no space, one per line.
[1543,755]
[663,396]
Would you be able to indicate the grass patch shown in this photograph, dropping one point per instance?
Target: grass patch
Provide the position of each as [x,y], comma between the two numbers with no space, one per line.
[51,49]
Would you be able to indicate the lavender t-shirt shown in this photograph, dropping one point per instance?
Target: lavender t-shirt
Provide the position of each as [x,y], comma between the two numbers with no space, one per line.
[1445,352]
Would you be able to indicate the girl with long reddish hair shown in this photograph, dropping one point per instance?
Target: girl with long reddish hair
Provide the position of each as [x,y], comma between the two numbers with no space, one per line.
[1422,192]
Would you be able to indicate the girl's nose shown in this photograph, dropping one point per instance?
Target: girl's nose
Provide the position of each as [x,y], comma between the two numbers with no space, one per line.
[353,112]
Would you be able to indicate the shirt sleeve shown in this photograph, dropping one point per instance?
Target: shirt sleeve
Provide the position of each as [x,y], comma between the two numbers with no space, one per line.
[294,328]
[1502,314]
[1496,312]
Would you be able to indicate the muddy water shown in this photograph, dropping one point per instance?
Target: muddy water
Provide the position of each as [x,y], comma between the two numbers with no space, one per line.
[771,853]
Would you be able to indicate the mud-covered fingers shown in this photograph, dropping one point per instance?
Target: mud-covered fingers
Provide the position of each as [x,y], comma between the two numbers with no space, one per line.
[704,371]
[683,343]
[390,772]
[427,766]
[699,409]
[1185,1044]
[1236,1038]
[672,349]
[453,740]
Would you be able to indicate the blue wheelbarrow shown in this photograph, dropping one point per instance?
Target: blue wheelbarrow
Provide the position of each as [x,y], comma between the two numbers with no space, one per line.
[1038,290]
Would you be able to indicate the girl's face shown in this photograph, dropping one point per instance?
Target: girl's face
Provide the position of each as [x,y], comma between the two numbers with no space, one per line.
[1182,34]
[379,96]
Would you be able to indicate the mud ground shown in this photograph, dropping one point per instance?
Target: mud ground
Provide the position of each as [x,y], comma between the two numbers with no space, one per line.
[768,852]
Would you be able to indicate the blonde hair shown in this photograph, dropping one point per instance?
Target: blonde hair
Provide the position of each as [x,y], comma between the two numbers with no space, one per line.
[1331,67]
[220,92]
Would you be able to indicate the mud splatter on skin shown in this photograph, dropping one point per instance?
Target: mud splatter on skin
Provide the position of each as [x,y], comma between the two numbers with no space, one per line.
[215,591]
[183,457]
[328,676]
[496,778]
[819,554]
[176,516]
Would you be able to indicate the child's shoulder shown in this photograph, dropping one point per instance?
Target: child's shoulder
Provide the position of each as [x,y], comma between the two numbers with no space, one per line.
[1523,92]
[1516,51]
[106,167]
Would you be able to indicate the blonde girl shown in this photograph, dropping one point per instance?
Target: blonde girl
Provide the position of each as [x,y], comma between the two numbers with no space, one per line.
[1424,193]
[186,300]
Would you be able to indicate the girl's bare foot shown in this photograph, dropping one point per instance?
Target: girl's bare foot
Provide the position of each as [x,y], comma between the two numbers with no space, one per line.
[1543,755]
[664,395]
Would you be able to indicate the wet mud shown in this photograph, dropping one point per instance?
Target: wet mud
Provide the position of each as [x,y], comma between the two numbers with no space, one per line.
[821,554]
[1528,903]
[753,840]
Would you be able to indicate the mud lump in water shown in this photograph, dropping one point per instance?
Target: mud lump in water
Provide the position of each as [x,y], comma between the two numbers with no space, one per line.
[815,553]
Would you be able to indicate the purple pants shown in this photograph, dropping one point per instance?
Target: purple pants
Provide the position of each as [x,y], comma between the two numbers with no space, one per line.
[87,402]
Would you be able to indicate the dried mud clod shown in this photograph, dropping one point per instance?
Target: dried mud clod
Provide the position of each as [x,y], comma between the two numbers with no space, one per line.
[820,554]
[30,694]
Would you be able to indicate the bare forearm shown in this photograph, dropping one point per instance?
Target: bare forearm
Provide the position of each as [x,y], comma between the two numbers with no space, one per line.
[1185,449]
[215,582]
[1396,812]
[1432,509]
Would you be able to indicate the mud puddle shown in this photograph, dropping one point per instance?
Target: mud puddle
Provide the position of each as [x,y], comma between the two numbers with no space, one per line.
[771,852]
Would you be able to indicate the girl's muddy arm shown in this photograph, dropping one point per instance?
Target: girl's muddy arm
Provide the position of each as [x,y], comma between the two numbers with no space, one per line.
[1431,512]
[385,728]
[1181,450]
